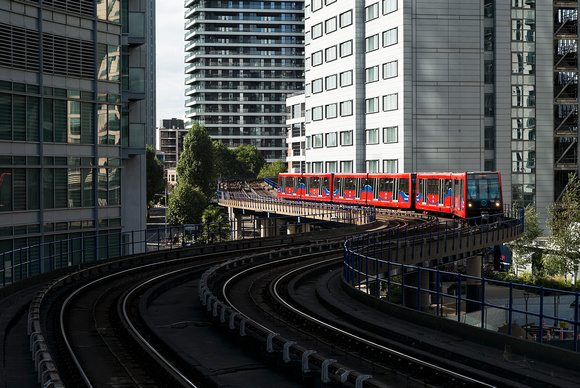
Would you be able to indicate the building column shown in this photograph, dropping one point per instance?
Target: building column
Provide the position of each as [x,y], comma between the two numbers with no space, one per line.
[265,229]
[411,290]
[473,287]
[290,228]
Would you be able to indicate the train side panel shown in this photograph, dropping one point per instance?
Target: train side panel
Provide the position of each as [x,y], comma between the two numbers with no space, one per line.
[433,192]
[390,190]
[317,187]
[289,185]
[350,188]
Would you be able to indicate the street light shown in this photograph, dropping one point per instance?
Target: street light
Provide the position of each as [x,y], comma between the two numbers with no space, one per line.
[526,297]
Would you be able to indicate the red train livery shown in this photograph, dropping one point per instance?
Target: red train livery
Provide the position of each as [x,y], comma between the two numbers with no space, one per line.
[462,194]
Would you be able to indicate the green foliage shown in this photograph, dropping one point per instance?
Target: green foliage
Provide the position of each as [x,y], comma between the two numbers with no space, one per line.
[155,175]
[186,205]
[523,247]
[225,163]
[214,226]
[564,223]
[249,160]
[273,169]
[196,162]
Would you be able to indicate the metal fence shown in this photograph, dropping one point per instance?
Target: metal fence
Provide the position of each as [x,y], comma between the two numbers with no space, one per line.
[373,264]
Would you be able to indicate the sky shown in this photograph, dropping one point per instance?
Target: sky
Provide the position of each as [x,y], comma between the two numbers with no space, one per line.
[170,59]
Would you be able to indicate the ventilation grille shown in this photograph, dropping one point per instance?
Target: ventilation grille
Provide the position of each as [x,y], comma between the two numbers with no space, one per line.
[81,7]
[19,49]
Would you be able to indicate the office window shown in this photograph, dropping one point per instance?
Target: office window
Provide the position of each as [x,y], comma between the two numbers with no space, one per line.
[372,105]
[308,142]
[389,6]
[346,108]
[317,30]
[390,37]
[331,139]
[307,64]
[330,167]
[372,166]
[307,37]
[372,136]
[317,86]
[390,134]
[390,69]
[317,113]
[346,138]
[346,166]
[330,25]
[317,58]
[317,140]
[372,12]
[330,1]
[331,111]
[390,102]
[372,74]
[346,48]
[346,78]
[307,115]
[331,82]
[372,43]
[316,5]
[345,19]
[330,53]
[316,167]
[390,165]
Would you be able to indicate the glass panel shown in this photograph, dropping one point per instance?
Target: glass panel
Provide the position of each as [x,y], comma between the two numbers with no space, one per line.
[5,116]
[48,188]
[87,125]
[5,190]
[114,63]
[74,122]
[114,125]
[88,187]
[33,188]
[48,121]
[136,25]
[19,124]
[114,14]
[103,186]
[115,186]
[32,118]
[60,121]
[102,61]
[60,188]
[19,184]
[137,80]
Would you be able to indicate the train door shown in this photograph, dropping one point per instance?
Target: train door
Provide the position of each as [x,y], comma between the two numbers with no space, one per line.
[396,187]
[350,188]
[325,188]
[422,194]
[338,188]
[445,198]
[366,189]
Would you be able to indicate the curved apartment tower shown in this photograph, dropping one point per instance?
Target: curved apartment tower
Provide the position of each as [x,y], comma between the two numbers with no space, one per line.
[242,59]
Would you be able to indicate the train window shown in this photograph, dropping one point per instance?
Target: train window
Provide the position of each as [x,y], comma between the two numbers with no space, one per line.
[325,184]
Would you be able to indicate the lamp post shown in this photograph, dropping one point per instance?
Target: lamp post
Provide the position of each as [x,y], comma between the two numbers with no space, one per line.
[526,297]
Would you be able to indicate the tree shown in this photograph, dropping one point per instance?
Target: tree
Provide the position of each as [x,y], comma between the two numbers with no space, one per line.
[155,174]
[523,247]
[186,204]
[224,160]
[249,160]
[564,223]
[214,224]
[273,169]
[196,162]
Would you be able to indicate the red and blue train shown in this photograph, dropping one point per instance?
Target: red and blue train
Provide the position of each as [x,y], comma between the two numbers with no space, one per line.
[460,194]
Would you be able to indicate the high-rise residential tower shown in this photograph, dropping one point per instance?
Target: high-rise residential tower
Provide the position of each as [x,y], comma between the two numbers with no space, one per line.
[242,59]
[439,85]
[77,103]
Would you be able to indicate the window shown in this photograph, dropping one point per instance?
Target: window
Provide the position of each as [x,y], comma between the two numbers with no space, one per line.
[308,142]
[372,43]
[330,25]
[389,6]
[345,19]
[317,113]
[331,111]
[372,12]
[307,37]
[390,102]
[346,166]
[372,74]
[390,165]
[372,105]
[307,63]
[346,78]
[390,134]
[390,37]
[316,5]
[346,48]
[317,30]
[346,138]
[390,69]
[317,58]
[317,140]
[346,108]
[372,166]
[307,116]
[317,167]
[331,139]
[317,86]
[330,1]
[307,90]
[330,53]
[372,136]
[330,167]
[331,82]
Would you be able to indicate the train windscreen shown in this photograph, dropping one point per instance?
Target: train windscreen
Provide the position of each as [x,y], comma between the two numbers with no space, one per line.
[483,186]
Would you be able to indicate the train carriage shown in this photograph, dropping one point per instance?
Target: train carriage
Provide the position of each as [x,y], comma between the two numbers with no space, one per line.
[289,185]
[350,188]
[317,187]
[390,190]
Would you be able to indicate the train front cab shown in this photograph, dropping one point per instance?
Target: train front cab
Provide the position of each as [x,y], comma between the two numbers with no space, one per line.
[483,194]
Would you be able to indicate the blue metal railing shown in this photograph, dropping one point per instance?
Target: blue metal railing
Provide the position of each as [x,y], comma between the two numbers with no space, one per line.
[376,264]
[271,183]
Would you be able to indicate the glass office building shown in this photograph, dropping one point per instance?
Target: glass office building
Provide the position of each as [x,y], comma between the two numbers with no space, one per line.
[76,101]
[242,59]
